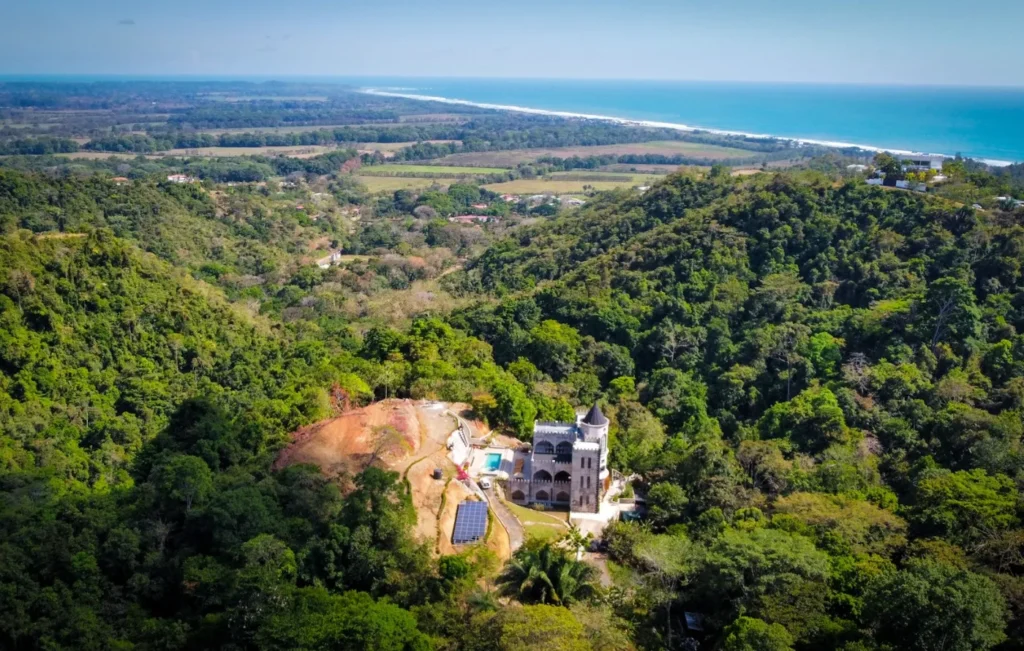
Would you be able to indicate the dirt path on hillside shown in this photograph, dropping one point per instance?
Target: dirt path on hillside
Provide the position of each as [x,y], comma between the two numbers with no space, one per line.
[435,425]
[343,446]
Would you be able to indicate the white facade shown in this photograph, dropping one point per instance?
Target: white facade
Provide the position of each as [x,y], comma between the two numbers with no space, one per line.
[922,163]
[567,465]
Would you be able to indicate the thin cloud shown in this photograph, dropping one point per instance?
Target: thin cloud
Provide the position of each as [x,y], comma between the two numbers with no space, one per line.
[126,21]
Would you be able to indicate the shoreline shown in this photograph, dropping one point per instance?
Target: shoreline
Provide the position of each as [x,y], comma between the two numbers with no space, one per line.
[662,125]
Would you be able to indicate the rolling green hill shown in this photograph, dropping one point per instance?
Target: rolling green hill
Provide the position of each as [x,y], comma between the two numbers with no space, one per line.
[853,349]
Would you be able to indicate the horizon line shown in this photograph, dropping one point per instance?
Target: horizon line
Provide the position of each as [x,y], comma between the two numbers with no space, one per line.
[264,78]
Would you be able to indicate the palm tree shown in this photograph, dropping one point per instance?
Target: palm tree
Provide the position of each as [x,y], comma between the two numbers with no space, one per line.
[541,573]
[576,540]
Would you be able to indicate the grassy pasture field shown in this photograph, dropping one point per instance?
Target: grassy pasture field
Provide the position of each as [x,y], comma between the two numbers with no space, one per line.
[392,183]
[513,157]
[562,185]
[606,177]
[623,168]
[99,155]
[388,147]
[440,170]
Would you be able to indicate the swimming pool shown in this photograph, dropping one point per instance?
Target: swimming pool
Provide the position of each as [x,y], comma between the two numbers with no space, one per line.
[492,462]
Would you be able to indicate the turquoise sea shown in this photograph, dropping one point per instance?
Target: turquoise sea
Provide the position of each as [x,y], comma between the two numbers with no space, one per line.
[983,123]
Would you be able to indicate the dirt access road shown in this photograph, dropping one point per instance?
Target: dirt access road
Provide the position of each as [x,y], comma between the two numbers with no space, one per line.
[343,446]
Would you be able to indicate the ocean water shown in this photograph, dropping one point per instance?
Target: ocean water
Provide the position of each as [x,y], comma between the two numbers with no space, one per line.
[983,123]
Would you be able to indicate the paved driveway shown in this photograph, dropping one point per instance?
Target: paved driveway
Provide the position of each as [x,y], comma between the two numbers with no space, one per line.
[516,533]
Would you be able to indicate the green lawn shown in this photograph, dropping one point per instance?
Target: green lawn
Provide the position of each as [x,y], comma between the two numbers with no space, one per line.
[544,532]
[531,516]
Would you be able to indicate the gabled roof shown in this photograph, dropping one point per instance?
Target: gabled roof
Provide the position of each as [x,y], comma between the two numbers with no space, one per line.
[595,417]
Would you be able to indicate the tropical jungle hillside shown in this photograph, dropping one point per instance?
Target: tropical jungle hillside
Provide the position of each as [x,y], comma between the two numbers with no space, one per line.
[820,385]
[816,385]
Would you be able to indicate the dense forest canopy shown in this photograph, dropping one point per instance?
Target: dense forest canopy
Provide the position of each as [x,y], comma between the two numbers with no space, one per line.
[841,364]
[816,385]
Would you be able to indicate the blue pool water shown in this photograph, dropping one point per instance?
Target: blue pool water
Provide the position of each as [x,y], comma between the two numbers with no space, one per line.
[492,462]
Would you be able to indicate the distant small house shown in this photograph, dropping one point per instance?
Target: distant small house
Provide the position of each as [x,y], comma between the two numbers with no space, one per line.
[857,169]
[539,199]
[120,180]
[509,198]
[330,260]
[300,207]
[921,162]
[875,181]
[469,219]
[571,201]
[643,188]
[480,206]
[180,178]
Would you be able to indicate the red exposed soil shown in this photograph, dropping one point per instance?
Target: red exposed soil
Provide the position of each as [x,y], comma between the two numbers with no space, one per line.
[343,444]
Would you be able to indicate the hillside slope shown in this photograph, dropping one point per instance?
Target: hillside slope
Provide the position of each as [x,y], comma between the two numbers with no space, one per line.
[796,358]
[101,344]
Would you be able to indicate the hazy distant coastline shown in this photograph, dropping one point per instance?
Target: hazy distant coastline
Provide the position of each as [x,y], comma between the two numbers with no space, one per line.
[393,92]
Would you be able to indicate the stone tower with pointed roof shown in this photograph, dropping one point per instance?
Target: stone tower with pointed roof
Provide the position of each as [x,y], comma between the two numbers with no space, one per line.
[567,466]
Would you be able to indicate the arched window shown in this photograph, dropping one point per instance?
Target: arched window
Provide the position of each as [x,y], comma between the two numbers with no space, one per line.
[563,476]
[542,475]
[518,496]
[545,447]
[541,496]
[562,497]
[564,451]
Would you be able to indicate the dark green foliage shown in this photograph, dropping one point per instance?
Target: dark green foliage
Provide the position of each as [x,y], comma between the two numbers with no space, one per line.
[139,416]
[317,620]
[934,606]
[542,574]
[818,360]
[819,386]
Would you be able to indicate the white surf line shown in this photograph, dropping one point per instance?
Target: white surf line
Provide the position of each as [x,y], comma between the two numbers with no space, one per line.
[663,125]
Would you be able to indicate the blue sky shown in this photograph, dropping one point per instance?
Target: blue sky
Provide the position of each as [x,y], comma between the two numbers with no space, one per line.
[868,41]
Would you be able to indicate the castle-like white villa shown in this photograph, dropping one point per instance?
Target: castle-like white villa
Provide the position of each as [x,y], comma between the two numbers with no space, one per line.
[567,465]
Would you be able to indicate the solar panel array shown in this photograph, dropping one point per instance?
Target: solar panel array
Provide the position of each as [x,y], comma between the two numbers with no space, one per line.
[470,522]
